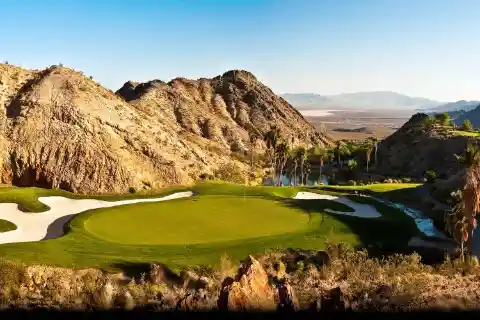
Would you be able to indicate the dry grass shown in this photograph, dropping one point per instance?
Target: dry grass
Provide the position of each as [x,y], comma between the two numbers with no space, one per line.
[410,284]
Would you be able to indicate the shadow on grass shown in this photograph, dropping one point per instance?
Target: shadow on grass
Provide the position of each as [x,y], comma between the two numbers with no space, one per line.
[382,236]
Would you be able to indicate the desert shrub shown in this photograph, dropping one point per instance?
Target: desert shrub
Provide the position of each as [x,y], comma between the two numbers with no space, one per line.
[11,275]
[230,172]
[132,190]
[467,125]
[430,175]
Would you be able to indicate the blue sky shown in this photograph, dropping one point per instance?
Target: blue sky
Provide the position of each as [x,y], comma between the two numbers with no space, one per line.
[427,48]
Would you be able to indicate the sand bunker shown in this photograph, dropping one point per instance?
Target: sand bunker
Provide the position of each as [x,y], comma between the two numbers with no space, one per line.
[50,224]
[361,210]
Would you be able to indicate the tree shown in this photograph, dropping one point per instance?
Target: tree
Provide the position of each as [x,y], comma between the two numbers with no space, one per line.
[301,155]
[341,150]
[368,148]
[443,118]
[294,159]
[282,154]
[467,125]
[462,221]
[254,137]
[352,164]
[322,157]
[271,140]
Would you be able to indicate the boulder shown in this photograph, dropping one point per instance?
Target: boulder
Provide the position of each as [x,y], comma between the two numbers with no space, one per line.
[249,291]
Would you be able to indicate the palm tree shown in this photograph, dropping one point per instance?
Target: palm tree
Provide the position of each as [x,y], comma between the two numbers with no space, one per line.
[464,221]
[282,154]
[254,137]
[368,147]
[301,155]
[271,139]
[375,147]
[341,149]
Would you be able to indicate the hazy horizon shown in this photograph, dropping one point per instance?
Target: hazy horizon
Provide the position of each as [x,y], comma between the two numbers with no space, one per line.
[421,49]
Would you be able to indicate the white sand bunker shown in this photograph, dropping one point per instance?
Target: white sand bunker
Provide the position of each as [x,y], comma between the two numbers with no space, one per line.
[50,224]
[361,210]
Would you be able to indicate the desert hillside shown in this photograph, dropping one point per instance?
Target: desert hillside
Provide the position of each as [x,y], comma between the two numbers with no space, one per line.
[61,129]
[413,150]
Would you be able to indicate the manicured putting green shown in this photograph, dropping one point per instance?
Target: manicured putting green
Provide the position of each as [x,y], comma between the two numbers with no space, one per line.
[6,226]
[203,219]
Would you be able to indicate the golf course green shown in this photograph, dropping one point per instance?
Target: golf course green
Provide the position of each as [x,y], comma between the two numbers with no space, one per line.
[221,219]
[205,219]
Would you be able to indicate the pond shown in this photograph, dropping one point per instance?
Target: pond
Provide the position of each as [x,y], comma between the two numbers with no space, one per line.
[312,180]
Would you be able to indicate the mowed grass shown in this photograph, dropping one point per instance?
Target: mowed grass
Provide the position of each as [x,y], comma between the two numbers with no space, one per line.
[223,219]
[466,133]
[205,219]
[6,226]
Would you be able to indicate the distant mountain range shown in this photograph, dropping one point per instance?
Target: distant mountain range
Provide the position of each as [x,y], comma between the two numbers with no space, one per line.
[376,100]
[454,106]
[359,100]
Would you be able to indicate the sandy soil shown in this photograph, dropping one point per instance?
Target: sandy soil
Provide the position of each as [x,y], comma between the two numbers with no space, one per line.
[49,224]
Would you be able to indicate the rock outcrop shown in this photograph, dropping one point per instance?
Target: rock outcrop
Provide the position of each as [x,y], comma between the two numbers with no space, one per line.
[249,291]
[61,129]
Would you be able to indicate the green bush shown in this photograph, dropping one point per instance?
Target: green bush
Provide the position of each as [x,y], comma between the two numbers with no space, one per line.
[351,183]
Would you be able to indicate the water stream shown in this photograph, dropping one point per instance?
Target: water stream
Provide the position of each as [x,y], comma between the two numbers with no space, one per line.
[424,224]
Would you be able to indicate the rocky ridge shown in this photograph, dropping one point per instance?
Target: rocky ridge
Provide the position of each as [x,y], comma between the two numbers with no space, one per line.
[413,150]
[61,129]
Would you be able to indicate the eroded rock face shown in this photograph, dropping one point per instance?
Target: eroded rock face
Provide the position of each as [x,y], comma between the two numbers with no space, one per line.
[249,291]
[60,129]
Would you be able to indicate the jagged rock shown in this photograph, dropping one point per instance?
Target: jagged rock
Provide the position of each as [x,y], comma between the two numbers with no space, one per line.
[248,291]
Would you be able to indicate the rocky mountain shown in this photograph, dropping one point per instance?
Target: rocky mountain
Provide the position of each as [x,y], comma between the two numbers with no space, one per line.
[454,106]
[359,100]
[61,129]
[412,150]
[472,115]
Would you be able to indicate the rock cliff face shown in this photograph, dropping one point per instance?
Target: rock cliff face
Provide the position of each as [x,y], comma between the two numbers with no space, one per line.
[412,150]
[60,129]
[227,109]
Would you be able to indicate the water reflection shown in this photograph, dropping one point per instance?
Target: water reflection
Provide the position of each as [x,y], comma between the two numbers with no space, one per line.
[312,180]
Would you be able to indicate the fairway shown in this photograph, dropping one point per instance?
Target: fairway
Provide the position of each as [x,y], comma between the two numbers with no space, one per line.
[201,220]
[221,219]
